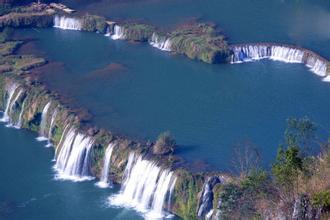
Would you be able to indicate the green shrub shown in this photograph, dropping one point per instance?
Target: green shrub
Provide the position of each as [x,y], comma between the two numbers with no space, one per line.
[322,199]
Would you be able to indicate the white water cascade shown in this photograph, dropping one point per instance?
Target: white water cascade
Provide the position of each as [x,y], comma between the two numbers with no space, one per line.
[145,188]
[246,53]
[11,105]
[43,123]
[51,126]
[160,42]
[104,181]
[18,125]
[73,161]
[118,33]
[11,90]
[67,23]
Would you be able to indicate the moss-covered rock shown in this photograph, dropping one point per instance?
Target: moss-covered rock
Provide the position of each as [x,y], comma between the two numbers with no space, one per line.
[137,32]
[187,190]
[200,41]
[93,23]
[35,19]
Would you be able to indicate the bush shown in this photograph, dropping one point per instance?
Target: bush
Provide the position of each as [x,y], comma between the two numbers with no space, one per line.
[165,144]
[322,199]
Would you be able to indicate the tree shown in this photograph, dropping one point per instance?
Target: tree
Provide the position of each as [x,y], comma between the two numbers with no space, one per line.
[165,144]
[246,158]
[286,170]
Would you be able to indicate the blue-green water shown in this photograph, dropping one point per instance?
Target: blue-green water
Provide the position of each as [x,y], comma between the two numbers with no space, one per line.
[208,108]
[28,189]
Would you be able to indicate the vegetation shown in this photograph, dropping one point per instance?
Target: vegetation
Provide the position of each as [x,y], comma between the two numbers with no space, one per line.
[165,144]
[93,23]
[200,41]
[138,32]
[296,178]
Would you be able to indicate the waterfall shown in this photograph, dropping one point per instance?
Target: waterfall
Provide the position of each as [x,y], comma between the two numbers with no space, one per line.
[205,204]
[61,139]
[11,90]
[67,23]
[119,33]
[160,42]
[145,187]
[18,125]
[104,181]
[170,196]
[51,126]
[317,66]
[108,32]
[246,53]
[13,100]
[43,123]
[73,161]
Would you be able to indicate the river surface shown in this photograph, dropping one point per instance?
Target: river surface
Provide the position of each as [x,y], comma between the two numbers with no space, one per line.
[139,91]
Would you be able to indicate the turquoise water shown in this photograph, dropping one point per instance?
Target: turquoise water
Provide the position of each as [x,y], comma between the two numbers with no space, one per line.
[208,108]
[301,22]
[28,189]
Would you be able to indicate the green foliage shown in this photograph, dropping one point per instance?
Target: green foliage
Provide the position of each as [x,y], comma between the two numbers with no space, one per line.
[138,32]
[200,41]
[186,193]
[98,155]
[239,200]
[287,165]
[322,199]
[93,23]
[257,182]
[39,20]
[229,197]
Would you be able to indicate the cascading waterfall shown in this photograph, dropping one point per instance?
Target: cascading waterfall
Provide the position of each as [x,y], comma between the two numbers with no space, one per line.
[18,125]
[43,123]
[317,66]
[205,204]
[146,187]
[61,140]
[11,105]
[67,23]
[160,42]
[11,90]
[73,161]
[246,53]
[104,181]
[51,126]
[118,33]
